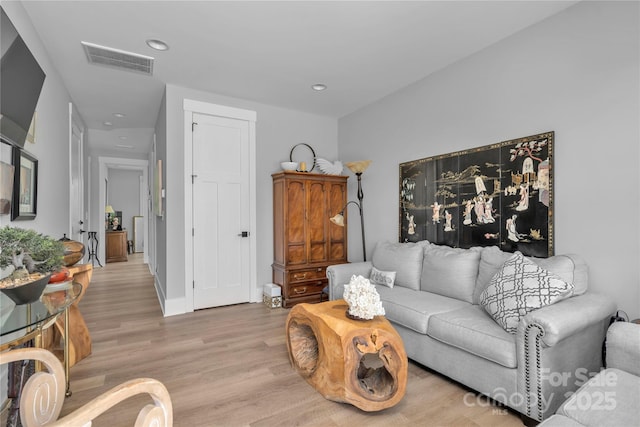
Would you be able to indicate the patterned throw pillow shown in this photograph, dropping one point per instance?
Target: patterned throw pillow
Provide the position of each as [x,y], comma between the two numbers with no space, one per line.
[519,287]
[386,278]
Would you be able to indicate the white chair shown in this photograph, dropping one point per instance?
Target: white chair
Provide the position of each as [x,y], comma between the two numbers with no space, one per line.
[43,395]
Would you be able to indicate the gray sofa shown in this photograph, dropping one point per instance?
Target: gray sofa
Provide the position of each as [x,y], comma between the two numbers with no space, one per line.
[434,305]
[612,397]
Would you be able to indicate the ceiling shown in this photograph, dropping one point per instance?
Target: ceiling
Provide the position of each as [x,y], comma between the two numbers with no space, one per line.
[269,52]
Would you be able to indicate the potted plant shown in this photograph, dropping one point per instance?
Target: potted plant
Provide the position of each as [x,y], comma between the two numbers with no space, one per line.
[27,259]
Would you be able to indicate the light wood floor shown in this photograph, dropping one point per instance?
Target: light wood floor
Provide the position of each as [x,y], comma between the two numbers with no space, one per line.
[229,366]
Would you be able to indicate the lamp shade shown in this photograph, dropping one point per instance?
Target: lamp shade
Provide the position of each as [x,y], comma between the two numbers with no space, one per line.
[109,209]
[358,166]
[338,219]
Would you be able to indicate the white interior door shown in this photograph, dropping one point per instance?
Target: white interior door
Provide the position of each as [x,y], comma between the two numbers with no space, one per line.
[138,234]
[221,254]
[77,191]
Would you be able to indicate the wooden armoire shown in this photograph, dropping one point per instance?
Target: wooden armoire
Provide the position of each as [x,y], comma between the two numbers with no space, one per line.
[305,242]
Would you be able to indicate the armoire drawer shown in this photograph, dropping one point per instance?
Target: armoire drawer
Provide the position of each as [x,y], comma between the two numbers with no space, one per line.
[313,287]
[307,274]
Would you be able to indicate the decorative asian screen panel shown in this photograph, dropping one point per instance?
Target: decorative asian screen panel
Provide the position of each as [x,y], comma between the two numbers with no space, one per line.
[496,195]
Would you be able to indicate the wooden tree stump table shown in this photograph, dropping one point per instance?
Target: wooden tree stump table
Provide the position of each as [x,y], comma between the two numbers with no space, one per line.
[79,336]
[361,362]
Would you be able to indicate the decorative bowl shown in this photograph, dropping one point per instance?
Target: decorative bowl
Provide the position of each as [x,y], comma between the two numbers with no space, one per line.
[73,251]
[28,292]
[289,166]
[60,286]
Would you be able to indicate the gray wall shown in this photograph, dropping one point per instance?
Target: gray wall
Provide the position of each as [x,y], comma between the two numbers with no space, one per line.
[52,138]
[576,73]
[124,196]
[277,130]
[159,223]
[51,148]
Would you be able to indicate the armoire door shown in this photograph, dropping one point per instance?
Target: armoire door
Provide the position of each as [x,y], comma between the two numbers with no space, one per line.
[317,221]
[295,225]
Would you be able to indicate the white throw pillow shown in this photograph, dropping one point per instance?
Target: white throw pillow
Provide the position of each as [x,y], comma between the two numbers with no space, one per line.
[520,287]
[379,277]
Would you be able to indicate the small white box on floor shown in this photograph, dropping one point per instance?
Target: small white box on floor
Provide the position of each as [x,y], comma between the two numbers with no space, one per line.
[272,295]
[272,290]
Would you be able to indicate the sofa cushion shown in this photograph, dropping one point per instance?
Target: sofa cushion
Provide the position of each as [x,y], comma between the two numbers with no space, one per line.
[519,287]
[413,309]
[608,399]
[571,268]
[491,260]
[403,258]
[451,272]
[473,330]
[379,277]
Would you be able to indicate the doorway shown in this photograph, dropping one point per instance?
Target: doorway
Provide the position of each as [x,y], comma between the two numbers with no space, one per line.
[106,163]
[76,177]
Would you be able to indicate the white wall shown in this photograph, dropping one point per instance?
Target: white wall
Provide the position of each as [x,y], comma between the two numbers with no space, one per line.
[124,195]
[576,73]
[277,130]
[52,138]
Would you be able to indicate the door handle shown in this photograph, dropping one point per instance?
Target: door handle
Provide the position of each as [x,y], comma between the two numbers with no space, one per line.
[244,234]
[81,231]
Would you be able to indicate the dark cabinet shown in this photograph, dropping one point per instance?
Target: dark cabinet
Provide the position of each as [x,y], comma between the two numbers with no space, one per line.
[116,246]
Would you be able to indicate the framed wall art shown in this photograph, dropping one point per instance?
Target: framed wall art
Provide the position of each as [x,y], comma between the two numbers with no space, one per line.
[31,134]
[157,189]
[6,187]
[25,185]
[495,195]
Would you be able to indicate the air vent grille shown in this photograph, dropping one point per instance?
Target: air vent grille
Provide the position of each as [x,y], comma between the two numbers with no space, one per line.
[102,55]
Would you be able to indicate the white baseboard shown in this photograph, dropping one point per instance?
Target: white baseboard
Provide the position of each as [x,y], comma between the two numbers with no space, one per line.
[174,306]
[170,307]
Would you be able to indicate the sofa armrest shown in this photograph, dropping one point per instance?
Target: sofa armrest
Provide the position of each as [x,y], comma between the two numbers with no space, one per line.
[557,347]
[567,317]
[340,274]
[623,347]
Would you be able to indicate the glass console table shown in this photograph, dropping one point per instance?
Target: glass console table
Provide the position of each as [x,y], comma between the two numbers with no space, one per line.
[22,323]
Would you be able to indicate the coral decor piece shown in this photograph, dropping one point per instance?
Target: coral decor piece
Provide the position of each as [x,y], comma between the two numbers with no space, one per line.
[363,299]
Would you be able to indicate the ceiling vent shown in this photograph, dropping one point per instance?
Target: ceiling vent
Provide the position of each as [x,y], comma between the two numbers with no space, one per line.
[116,58]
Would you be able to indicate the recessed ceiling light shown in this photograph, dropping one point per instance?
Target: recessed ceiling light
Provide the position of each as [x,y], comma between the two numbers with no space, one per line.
[124,146]
[107,123]
[122,137]
[119,115]
[157,44]
[319,87]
